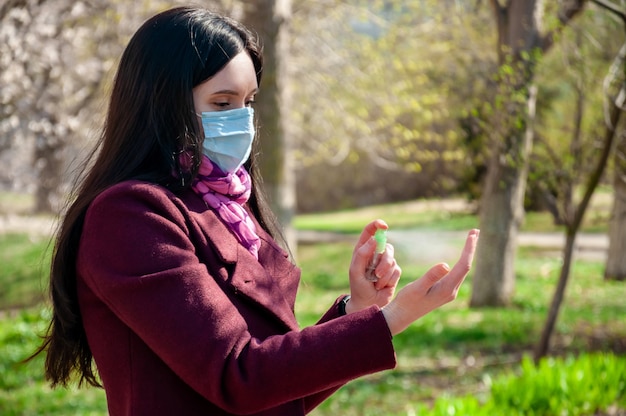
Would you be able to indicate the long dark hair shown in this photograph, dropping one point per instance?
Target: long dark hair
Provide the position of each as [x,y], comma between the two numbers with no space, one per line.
[150,120]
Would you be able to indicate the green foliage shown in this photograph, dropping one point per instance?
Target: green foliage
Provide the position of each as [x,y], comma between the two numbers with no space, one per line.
[18,337]
[390,87]
[570,109]
[572,386]
[23,390]
[585,385]
[576,386]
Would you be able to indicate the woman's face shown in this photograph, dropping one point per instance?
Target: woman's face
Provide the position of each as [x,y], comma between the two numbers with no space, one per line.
[233,87]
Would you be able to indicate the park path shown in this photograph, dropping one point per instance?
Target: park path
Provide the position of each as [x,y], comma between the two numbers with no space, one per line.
[446,245]
[36,226]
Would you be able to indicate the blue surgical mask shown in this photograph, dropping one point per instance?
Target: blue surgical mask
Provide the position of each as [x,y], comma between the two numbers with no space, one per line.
[228,137]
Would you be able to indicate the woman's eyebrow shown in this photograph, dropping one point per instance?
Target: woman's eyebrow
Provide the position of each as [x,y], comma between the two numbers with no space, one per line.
[233,92]
[226,92]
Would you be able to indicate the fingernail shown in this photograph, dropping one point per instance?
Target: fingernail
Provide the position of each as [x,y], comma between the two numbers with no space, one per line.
[442,270]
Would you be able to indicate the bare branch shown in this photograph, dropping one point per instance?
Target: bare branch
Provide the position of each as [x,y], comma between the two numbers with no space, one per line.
[612,7]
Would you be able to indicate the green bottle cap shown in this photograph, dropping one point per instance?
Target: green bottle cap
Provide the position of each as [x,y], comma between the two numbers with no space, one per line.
[381,240]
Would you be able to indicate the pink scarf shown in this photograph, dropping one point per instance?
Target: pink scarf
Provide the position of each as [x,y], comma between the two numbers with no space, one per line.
[226,196]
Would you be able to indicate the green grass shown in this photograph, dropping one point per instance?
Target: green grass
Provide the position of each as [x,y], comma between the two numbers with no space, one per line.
[24,262]
[397,216]
[454,350]
[573,385]
[409,215]
[584,385]
[591,304]
[23,391]
[454,361]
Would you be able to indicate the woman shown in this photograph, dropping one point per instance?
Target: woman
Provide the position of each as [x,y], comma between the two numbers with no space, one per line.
[166,272]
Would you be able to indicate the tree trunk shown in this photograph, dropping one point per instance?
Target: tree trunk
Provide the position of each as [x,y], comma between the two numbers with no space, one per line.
[501,213]
[270,19]
[616,260]
[49,166]
[544,343]
[501,207]
[511,137]
[572,229]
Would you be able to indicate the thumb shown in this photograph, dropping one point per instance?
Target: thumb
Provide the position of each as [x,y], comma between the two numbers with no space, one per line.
[363,254]
[433,275]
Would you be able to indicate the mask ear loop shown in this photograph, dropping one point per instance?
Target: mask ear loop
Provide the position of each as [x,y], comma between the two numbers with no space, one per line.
[182,153]
[183,160]
[178,172]
[186,158]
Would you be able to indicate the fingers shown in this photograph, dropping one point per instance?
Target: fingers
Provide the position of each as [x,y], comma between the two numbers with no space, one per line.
[433,275]
[463,266]
[467,255]
[438,286]
[369,231]
[360,258]
[388,271]
[448,288]
[455,276]
[365,246]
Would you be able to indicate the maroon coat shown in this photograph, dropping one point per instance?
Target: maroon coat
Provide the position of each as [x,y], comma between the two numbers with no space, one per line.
[182,320]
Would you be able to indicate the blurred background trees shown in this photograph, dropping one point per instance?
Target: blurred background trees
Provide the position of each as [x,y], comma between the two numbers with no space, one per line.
[377,87]
[377,109]
[592,134]
[57,59]
[364,102]
[51,67]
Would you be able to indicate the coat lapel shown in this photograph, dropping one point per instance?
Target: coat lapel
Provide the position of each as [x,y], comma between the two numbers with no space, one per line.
[271,282]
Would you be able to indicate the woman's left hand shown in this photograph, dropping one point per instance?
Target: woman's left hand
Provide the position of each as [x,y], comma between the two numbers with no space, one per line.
[363,292]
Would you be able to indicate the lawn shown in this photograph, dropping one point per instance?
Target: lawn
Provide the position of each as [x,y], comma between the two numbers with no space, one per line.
[457,351]
[455,361]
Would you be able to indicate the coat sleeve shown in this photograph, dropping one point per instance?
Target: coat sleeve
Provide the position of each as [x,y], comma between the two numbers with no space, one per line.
[314,400]
[136,255]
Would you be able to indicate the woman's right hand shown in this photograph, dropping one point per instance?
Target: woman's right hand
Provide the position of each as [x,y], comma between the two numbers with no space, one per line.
[437,287]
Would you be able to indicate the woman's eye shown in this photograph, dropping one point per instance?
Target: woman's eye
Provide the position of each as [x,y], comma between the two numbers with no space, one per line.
[250,103]
[222,105]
